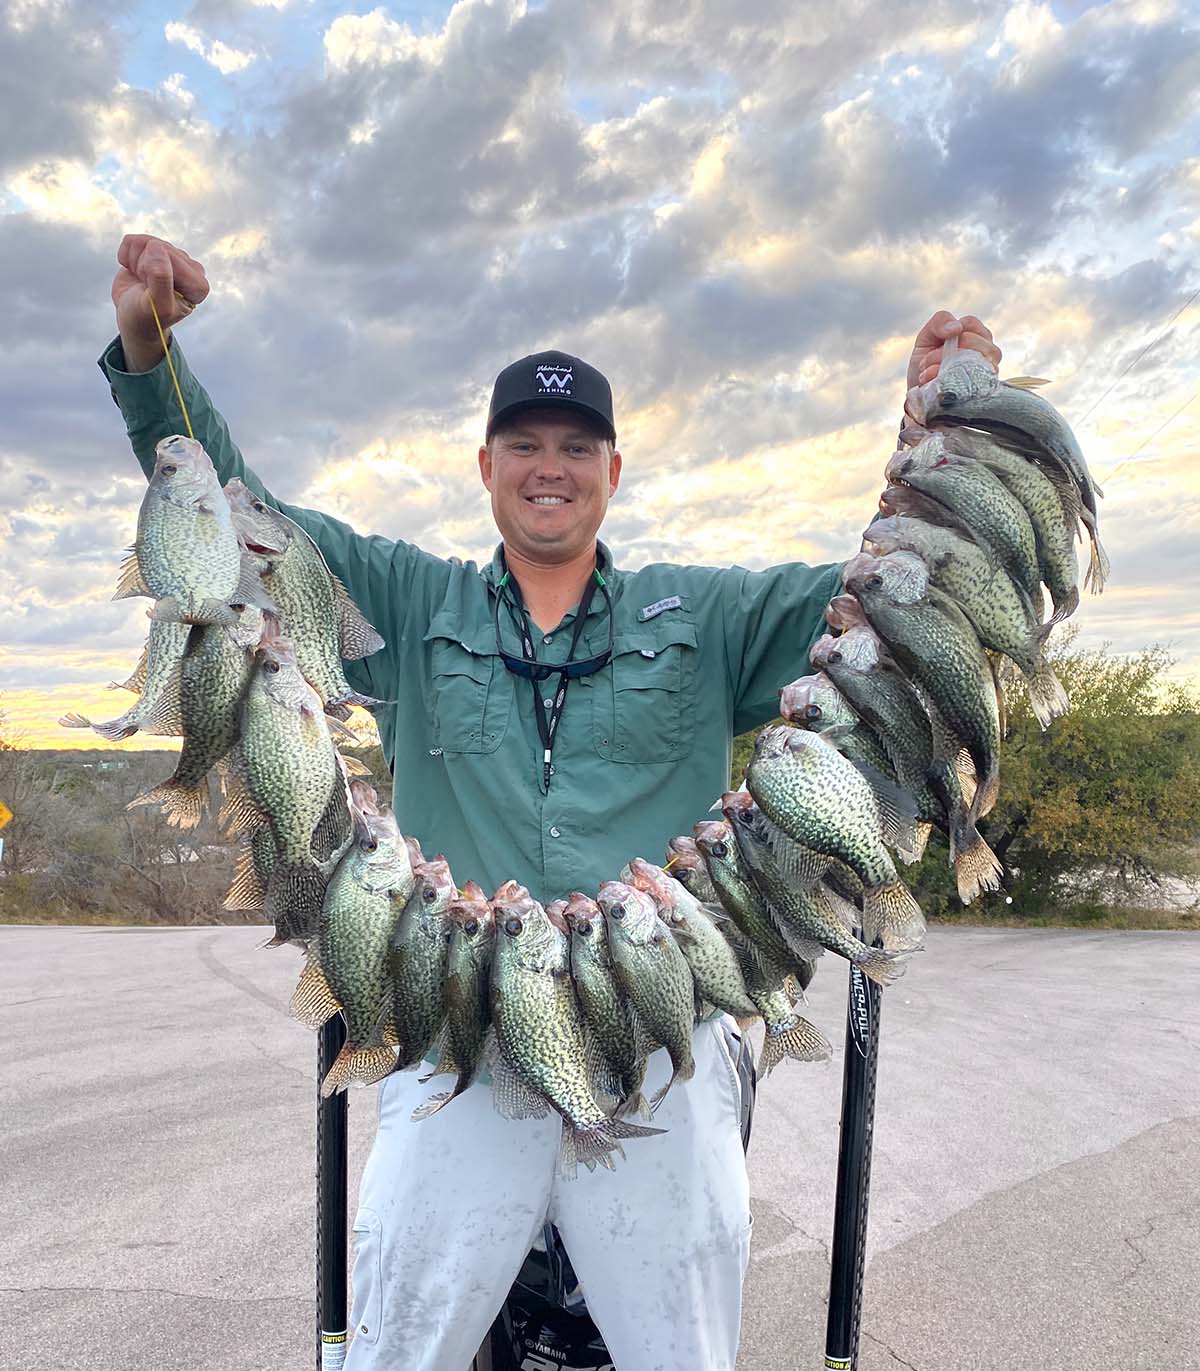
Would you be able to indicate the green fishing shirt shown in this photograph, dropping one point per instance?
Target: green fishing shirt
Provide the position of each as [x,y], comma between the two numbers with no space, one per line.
[643,746]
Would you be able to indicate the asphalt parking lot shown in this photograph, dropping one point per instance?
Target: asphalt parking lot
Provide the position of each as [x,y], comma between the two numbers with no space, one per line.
[1035,1200]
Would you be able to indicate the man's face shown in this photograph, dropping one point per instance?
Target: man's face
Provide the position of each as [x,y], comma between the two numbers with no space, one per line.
[550,476]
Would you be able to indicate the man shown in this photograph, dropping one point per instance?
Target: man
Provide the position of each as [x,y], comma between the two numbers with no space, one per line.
[555,781]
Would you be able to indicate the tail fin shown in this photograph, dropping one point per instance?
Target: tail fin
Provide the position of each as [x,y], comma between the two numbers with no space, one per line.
[892,915]
[1047,698]
[798,1039]
[976,866]
[683,1072]
[1068,607]
[882,966]
[293,901]
[358,1066]
[635,1104]
[246,889]
[595,1145]
[313,1001]
[432,1105]
[1098,566]
[182,804]
[336,705]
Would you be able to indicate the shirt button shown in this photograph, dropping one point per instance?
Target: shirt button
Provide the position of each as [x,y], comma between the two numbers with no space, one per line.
[556,833]
[549,638]
[549,703]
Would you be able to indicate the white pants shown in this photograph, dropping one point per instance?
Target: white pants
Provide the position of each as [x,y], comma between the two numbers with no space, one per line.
[450,1206]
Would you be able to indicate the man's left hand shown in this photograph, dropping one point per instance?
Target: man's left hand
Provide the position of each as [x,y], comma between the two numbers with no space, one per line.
[927,350]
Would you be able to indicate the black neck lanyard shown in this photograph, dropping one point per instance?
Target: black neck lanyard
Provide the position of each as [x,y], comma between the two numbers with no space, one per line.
[548,714]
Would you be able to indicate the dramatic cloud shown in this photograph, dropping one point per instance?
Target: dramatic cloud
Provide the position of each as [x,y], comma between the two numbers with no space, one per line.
[742,216]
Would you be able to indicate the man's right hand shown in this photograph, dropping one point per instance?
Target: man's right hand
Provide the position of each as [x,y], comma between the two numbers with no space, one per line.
[151,268]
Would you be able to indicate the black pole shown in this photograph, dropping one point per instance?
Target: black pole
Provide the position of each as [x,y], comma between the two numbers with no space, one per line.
[849,1252]
[331,1206]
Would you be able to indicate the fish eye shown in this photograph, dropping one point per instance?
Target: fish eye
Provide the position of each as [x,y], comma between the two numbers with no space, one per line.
[169,469]
[368,845]
[949,398]
[874,582]
[719,850]
[617,912]
[835,657]
[238,609]
[429,894]
[270,666]
[258,507]
[812,711]
[584,930]
[471,927]
[513,925]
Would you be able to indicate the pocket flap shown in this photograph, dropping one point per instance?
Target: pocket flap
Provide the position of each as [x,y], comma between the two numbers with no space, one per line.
[457,652]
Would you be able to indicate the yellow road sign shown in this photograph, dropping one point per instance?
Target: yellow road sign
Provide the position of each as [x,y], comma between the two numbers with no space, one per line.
[5,814]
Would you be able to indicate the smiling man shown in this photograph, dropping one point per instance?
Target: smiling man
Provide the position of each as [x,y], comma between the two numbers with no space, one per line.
[554,716]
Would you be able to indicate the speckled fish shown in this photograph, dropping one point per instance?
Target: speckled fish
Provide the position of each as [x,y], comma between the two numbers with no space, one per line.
[317,610]
[653,973]
[285,773]
[818,798]
[214,674]
[968,391]
[608,1015]
[936,646]
[418,955]
[187,555]
[743,900]
[687,866]
[787,1034]
[542,1052]
[157,678]
[979,499]
[1001,614]
[813,913]
[347,966]
[468,982]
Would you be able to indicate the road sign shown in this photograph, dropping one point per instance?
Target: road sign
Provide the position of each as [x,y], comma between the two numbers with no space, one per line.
[5,814]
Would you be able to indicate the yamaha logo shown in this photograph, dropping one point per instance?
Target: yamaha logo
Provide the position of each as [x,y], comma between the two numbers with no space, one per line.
[553,380]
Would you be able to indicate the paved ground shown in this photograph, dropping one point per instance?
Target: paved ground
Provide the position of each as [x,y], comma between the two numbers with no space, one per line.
[1035,1205]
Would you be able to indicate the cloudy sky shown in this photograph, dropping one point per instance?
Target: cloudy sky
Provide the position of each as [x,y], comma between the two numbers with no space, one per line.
[741,214]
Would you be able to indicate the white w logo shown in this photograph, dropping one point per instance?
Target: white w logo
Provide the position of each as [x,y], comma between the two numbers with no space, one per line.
[551,380]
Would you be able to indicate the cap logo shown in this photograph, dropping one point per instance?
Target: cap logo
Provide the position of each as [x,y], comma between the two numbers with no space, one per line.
[553,380]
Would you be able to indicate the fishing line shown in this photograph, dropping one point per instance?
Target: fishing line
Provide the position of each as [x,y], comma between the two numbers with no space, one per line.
[162,337]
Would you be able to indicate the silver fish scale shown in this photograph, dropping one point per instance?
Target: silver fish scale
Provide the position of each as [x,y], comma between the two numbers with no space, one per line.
[538,1022]
[188,550]
[714,965]
[744,903]
[605,1009]
[365,897]
[213,679]
[289,767]
[655,975]
[417,959]
[468,971]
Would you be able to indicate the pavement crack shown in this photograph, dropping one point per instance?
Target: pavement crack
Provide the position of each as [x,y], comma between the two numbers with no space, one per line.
[218,968]
[891,1351]
[1142,1257]
[282,1065]
[148,1290]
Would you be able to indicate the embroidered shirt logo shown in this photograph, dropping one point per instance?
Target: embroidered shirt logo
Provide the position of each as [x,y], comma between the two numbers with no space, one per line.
[649,611]
[554,380]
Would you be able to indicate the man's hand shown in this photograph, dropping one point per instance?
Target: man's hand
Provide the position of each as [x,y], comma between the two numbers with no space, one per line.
[927,350]
[151,268]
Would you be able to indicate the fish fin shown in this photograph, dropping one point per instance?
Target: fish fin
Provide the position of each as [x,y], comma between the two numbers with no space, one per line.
[239,814]
[836,734]
[293,899]
[882,966]
[976,866]
[165,717]
[1047,698]
[432,1104]
[835,901]
[137,681]
[512,1096]
[897,806]
[338,703]
[597,1144]
[352,766]
[921,832]
[1026,382]
[246,889]
[115,730]
[635,1104]
[798,1039]
[356,637]
[182,805]
[251,589]
[313,1002]
[804,949]
[358,1066]
[340,732]
[1098,564]
[130,581]
[892,915]
[685,1069]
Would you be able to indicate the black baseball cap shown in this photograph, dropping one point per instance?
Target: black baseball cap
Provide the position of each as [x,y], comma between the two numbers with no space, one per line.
[552,380]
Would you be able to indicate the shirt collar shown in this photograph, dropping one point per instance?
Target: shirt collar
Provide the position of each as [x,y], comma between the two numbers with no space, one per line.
[604,563]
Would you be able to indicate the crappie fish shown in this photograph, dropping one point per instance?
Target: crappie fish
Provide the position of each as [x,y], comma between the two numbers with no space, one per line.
[687,866]
[252,869]
[818,798]
[1001,614]
[787,1034]
[606,1012]
[418,955]
[325,623]
[935,644]
[157,678]
[348,963]
[468,981]
[813,914]
[542,1058]
[979,499]
[741,898]
[967,390]
[187,555]
[715,970]
[653,974]
[285,773]
[214,674]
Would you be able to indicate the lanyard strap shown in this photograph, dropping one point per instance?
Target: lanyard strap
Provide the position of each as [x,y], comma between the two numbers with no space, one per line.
[548,717]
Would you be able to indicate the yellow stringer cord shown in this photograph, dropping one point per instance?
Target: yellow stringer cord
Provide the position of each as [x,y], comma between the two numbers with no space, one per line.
[162,337]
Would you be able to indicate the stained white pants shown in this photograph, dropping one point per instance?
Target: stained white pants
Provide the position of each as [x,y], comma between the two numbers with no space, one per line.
[450,1206]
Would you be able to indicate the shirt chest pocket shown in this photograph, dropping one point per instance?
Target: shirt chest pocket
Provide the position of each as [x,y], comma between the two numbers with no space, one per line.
[643,703]
[472,695]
